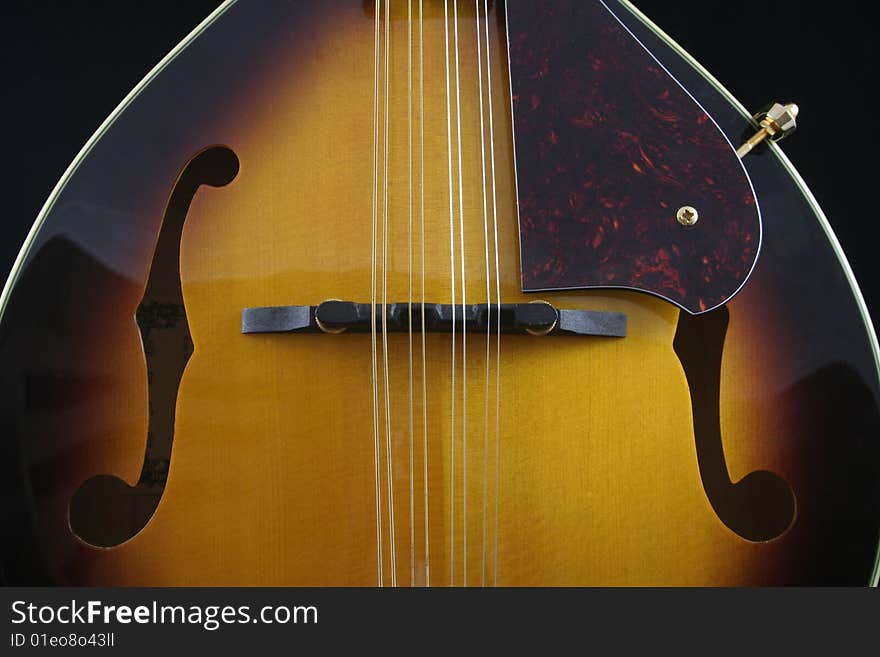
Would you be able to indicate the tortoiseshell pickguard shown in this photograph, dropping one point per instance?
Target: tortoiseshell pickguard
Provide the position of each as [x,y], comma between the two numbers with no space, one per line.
[608,147]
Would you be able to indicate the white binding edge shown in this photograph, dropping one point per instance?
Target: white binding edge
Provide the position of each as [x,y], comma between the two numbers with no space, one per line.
[823,220]
[90,144]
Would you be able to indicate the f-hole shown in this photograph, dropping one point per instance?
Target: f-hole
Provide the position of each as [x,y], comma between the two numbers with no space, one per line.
[761,505]
[106,511]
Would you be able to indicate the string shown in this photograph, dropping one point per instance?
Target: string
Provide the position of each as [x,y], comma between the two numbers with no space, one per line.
[412,512]
[452,278]
[497,294]
[488,300]
[463,304]
[385,309]
[424,357]
[373,300]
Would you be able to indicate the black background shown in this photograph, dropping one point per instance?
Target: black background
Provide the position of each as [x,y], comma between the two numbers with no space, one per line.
[67,64]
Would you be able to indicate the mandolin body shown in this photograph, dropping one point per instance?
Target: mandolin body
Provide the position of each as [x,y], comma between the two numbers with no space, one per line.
[252,459]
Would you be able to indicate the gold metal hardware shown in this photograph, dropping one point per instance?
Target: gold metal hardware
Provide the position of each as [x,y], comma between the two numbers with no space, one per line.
[328,329]
[687,215]
[548,329]
[776,122]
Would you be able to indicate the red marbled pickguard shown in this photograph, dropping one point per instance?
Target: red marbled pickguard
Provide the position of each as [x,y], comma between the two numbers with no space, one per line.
[608,147]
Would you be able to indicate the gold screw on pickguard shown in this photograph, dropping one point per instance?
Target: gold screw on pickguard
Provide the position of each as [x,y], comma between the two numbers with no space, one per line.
[687,216]
[776,122]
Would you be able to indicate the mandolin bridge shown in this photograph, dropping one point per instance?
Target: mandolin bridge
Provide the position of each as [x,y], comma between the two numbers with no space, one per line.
[536,318]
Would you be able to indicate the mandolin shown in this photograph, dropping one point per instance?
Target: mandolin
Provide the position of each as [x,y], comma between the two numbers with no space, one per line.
[436,293]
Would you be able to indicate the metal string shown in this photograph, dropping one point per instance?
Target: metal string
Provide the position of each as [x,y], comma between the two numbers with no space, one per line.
[412,511]
[385,308]
[488,300]
[463,304]
[497,293]
[452,278]
[373,301]
[424,357]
